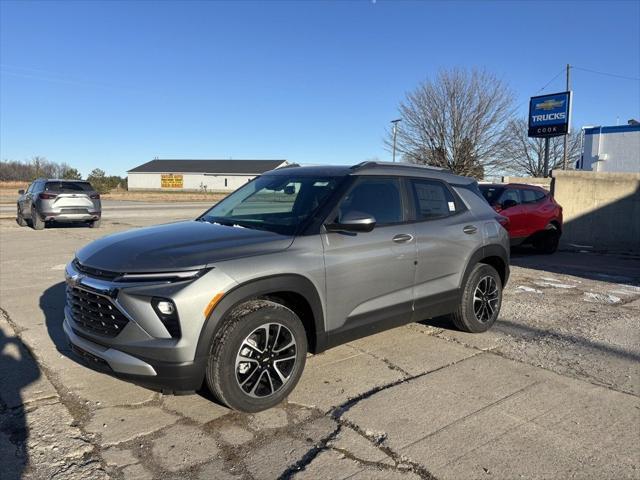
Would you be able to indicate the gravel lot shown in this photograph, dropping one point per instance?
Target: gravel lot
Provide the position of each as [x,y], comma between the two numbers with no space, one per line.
[552,391]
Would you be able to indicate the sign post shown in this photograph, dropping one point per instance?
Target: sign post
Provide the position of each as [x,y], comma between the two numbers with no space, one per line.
[549,117]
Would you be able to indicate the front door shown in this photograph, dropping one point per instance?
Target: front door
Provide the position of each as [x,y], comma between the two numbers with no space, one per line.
[369,275]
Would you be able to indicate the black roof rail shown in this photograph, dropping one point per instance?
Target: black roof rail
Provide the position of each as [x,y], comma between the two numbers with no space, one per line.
[375,164]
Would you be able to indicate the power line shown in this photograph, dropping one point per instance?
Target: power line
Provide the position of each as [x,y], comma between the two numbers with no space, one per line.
[550,81]
[606,73]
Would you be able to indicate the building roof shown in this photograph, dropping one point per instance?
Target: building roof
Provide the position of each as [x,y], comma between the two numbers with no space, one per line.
[242,167]
[611,129]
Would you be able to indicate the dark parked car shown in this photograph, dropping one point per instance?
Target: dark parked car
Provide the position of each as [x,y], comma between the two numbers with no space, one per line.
[51,200]
[534,216]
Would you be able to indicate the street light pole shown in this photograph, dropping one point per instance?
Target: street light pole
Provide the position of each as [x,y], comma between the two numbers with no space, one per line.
[564,147]
[395,131]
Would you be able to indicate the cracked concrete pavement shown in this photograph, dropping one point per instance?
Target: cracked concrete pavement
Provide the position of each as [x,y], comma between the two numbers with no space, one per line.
[552,391]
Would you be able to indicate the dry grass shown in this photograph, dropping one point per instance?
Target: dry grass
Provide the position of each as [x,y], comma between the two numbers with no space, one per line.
[9,191]
[9,194]
[164,196]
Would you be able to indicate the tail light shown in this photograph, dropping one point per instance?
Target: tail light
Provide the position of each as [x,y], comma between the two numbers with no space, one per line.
[95,196]
[504,221]
[47,196]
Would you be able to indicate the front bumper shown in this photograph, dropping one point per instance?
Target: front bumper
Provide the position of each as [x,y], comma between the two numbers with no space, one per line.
[166,377]
[141,349]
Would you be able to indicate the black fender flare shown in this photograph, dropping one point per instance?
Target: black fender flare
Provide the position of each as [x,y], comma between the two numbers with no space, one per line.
[260,287]
[484,252]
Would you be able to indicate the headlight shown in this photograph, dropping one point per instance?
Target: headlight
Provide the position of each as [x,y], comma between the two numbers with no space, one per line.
[162,276]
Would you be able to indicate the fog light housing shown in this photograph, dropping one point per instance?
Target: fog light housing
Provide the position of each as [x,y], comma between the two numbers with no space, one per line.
[168,314]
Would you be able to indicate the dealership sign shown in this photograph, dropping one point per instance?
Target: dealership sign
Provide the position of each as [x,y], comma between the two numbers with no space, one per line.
[549,115]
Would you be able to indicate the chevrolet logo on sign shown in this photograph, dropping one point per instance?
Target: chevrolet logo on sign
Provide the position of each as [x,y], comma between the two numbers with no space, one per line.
[549,115]
[549,104]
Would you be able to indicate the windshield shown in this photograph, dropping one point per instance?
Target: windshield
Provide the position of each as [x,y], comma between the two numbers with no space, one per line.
[276,203]
[491,193]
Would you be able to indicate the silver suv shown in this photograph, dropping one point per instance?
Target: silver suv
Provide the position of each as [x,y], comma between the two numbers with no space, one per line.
[49,200]
[299,260]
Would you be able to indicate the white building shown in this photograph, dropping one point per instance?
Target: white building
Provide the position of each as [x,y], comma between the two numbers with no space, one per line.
[197,175]
[611,149]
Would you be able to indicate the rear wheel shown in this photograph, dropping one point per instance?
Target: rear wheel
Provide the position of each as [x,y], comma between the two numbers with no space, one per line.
[20,219]
[257,357]
[481,300]
[36,220]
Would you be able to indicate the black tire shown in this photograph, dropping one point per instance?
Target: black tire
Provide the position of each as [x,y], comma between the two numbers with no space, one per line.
[20,219]
[225,377]
[548,241]
[95,223]
[37,223]
[466,318]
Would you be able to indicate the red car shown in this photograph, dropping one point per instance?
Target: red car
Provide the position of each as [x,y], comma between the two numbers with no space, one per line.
[534,216]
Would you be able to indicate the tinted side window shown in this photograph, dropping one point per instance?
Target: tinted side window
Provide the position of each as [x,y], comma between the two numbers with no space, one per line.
[379,197]
[432,200]
[510,194]
[531,196]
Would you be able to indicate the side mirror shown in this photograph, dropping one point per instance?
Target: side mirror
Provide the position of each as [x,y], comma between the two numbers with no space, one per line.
[509,203]
[21,192]
[289,190]
[353,222]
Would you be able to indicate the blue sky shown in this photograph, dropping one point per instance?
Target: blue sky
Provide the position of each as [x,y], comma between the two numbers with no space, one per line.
[114,84]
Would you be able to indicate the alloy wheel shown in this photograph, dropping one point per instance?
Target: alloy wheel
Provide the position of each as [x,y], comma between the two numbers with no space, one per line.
[265,360]
[485,299]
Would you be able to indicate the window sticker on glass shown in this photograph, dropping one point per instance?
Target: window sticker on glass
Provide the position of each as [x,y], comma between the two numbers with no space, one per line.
[452,206]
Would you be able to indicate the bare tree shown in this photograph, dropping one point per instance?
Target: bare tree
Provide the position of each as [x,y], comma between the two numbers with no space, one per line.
[525,155]
[456,121]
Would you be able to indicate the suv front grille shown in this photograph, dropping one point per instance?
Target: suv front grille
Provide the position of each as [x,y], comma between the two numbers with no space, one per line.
[95,313]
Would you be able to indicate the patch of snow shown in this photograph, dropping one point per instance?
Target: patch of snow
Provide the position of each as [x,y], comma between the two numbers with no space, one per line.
[554,285]
[524,288]
[601,298]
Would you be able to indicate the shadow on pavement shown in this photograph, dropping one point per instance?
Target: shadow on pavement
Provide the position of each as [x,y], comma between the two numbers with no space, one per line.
[18,369]
[624,269]
[518,330]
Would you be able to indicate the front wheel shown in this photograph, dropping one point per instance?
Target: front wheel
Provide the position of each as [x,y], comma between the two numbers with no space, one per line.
[481,300]
[95,223]
[257,357]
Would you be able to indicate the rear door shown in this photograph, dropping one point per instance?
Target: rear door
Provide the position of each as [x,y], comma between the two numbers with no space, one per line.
[70,196]
[447,234]
[517,214]
[369,276]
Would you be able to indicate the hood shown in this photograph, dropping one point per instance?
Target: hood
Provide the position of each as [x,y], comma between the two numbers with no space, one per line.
[178,246]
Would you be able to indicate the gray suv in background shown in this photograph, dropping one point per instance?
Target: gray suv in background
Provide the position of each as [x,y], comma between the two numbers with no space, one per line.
[299,260]
[51,200]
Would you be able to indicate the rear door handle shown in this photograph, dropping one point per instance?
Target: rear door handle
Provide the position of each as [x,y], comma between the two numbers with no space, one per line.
[402,238]
[470,229]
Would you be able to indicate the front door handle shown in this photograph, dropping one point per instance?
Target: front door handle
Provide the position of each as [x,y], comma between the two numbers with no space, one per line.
[470,229]
[402,238]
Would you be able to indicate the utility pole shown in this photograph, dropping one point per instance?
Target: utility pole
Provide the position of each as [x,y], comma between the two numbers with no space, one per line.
[395,131]
[564,150]
[545,171]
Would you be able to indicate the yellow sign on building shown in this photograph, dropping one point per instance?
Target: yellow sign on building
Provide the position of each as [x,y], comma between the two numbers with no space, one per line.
[170,180]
